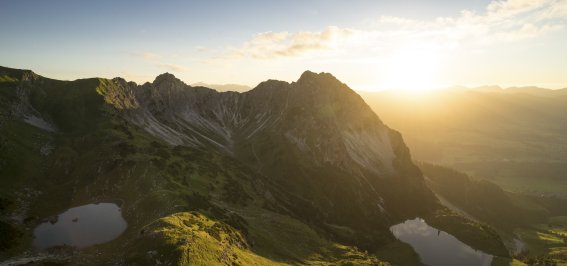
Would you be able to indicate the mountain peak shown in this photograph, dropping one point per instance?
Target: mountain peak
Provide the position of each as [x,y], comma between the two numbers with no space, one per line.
[19,74]
[166,77]
[319,78]
[307,74]
[310,75]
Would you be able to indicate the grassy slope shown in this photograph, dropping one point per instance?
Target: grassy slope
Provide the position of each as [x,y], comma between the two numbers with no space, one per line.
[399,253]
[548,238]
[532,220]
[483,200]
[190,238]
[478,236]
[20,144]
[507,262]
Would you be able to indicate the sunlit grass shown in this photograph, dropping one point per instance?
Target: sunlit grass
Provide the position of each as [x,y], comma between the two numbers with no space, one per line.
[547,238]
[500,261]
[6,78]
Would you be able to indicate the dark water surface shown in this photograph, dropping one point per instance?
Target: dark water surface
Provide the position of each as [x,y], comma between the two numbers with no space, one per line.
[437,248]
[81,226]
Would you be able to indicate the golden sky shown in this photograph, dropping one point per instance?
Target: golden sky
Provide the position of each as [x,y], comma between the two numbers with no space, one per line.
[370,45]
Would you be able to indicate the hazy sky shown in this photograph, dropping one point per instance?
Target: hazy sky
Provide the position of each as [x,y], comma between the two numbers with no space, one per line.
[367,44]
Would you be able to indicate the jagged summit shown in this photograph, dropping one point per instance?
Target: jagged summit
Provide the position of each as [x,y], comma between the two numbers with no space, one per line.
[268,85]
[322,83]
[323,80]
[308,75]
[166,77]
[19,74]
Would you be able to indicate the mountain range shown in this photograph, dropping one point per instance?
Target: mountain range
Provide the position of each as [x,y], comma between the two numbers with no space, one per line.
[286,173]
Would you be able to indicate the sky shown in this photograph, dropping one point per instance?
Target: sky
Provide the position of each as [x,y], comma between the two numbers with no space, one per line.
[369,45]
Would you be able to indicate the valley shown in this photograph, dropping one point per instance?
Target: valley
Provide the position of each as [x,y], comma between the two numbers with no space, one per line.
[513,137]
[493,155]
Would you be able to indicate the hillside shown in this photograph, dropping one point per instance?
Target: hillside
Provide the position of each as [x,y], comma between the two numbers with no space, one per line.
[533,227]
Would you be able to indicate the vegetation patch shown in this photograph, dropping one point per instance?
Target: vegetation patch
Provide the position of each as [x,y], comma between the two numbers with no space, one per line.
[476,235]
[190,238]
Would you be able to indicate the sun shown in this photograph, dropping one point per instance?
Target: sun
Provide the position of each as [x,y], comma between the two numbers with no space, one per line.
[413,71]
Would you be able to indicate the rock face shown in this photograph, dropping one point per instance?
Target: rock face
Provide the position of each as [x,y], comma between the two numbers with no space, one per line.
[335,161]
[317,114]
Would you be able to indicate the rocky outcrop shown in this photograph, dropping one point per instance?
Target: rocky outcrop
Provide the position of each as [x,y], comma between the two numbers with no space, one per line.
[347,132]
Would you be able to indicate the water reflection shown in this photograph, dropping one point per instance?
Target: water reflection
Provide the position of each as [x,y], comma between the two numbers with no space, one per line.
[81,226]
[437,248]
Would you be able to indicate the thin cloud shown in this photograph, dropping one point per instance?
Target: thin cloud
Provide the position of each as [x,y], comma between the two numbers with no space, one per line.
[511,8]
[151,56]
[158,61]
[502,21]
[172,67]
[270,45]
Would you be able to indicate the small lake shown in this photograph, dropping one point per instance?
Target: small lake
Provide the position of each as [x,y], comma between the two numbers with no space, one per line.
[81,227]
[437,248]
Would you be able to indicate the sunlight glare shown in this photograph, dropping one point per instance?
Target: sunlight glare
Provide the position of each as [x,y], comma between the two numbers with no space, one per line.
[415,71]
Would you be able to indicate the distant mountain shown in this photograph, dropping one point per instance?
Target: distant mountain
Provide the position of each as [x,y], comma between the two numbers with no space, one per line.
[493,88]
[515,137]
[294,173]
[223,87]
[532,90]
